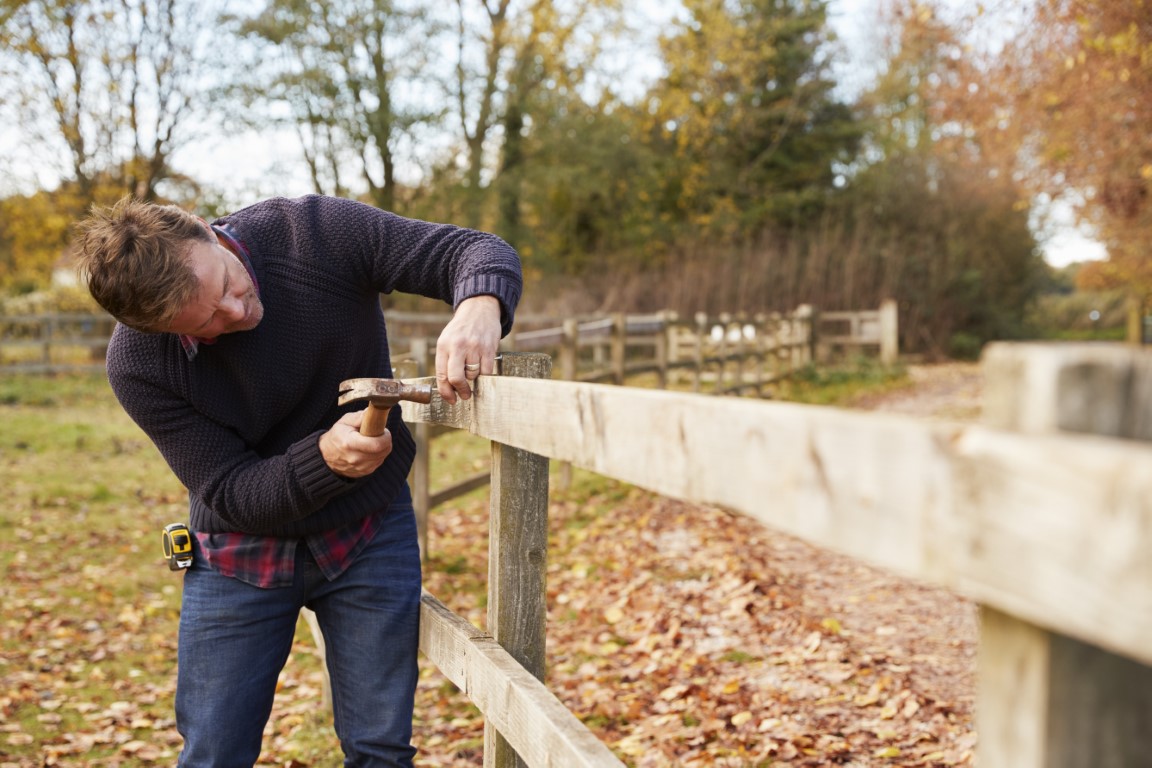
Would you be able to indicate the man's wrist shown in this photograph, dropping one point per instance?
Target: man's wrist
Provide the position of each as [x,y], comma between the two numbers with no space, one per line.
[480,302]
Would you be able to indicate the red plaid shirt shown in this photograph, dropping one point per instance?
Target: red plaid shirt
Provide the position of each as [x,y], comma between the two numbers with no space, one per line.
[266,561]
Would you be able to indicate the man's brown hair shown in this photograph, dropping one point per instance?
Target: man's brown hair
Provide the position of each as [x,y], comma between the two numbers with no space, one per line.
[134,258]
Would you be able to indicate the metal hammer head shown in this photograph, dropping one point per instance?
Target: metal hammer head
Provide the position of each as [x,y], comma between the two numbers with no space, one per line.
[383,392]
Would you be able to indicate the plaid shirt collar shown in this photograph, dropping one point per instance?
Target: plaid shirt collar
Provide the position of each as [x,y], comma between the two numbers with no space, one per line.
[191,344]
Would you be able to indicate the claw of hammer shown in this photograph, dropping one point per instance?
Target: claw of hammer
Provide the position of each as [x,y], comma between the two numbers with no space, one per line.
[381,395]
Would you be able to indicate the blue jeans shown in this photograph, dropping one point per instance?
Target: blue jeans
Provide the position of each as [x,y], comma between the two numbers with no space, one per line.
[235,639]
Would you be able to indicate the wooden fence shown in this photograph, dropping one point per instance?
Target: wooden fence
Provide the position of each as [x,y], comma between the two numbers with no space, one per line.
[54,343]
[724,354]
[1048,531]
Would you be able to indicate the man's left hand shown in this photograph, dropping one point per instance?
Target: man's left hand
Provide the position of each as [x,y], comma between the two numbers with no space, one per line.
[467,347]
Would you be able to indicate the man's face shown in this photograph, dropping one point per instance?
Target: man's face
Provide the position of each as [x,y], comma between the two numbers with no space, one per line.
[227,300]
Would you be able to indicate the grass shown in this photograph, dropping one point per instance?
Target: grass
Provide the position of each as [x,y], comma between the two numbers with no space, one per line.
[1087,334]
[89,626]
[89,614]
[841,383]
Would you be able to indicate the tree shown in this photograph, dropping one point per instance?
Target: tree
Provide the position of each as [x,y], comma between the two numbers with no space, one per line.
[748,111]
[1072,95]
[588,187]
[340,71]
[33,230]
[507,53]
[111,88]
[943,221]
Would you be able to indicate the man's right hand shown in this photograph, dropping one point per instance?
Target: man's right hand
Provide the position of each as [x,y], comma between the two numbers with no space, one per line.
[351,454]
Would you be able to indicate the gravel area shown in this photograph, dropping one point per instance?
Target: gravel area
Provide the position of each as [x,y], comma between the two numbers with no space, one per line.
[949,391]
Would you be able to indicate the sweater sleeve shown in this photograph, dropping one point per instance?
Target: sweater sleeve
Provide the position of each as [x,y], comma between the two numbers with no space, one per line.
[251,493]
[440,261]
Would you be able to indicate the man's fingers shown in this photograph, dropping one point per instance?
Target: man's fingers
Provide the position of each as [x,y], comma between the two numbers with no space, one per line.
[467,346]
[350,454]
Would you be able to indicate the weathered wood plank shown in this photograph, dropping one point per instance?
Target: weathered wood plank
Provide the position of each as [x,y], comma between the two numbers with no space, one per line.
[1054,529]
[533,720]
[517,556]
[1103,389]
[1047,700]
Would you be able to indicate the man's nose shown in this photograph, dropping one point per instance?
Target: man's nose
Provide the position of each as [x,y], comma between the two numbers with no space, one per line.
[233,307]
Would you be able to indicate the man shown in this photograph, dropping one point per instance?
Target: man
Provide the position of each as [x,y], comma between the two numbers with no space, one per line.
[233,339]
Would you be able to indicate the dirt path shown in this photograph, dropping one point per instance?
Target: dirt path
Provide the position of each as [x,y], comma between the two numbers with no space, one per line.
[949,391]
[922,640]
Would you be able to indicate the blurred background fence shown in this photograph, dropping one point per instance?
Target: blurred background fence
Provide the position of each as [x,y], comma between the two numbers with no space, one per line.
[727,353]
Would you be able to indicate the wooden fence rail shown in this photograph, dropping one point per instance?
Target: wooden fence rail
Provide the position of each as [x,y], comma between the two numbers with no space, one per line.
[727,353]
[54,343]
[1049,532]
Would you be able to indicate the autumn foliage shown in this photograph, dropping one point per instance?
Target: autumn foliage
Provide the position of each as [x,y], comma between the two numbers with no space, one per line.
[1069,100]
[725,149]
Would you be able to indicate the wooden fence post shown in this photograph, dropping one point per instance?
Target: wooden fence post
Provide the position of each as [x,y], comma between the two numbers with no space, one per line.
[422,465]
[889,332]
[570,349]
[809,319]
[517,554]
[758,341]
[569,368]
[801,337]
[661,350]
[672,345]
[619,347]
[1046,700]
[49,333]
[772,328]
[724,354]
[701,334]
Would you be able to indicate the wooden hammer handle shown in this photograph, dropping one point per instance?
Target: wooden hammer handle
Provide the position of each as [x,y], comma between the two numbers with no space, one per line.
[375,420]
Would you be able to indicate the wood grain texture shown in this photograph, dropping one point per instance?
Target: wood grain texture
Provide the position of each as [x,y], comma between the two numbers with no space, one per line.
[1052,528]
[1045,699]
[517,556]
[533,721]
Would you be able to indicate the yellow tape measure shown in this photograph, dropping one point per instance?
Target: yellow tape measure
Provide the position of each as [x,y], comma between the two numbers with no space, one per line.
[177,546]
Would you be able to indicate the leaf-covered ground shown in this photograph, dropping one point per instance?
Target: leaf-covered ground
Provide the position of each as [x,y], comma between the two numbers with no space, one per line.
[687,636]
[682,635]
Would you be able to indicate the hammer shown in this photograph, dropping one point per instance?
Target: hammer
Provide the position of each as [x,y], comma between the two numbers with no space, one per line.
[381,395]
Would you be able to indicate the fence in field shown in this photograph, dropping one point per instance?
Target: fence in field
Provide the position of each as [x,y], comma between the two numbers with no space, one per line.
[54,343]
[726,353]
[722,354]
[1047,530]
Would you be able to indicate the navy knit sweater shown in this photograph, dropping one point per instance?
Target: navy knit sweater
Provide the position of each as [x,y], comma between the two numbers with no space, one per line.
[240,424]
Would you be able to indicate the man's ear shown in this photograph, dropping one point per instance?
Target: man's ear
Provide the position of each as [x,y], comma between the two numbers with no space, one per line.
[208,227]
